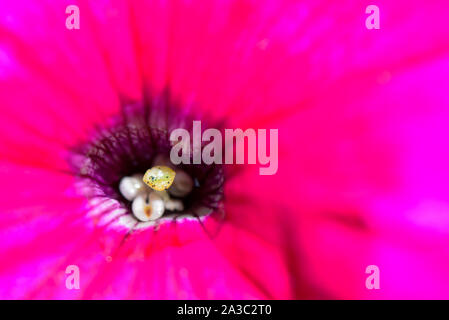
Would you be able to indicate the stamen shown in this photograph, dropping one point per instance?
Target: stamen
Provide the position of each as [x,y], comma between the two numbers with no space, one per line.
[130,187]
[174,205]
[148,207]
[150,204]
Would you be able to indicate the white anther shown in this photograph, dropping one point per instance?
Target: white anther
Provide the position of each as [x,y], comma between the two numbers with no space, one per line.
[130,187]
[174,205]
[182,185]
[148,207]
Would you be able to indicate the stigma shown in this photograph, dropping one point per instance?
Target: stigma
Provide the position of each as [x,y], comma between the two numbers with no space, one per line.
[159,177]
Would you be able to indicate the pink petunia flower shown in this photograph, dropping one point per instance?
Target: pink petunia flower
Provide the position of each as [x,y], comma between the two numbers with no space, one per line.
[363,148]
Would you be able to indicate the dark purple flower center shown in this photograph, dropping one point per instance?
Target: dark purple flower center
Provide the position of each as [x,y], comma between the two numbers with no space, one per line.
[129,145]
